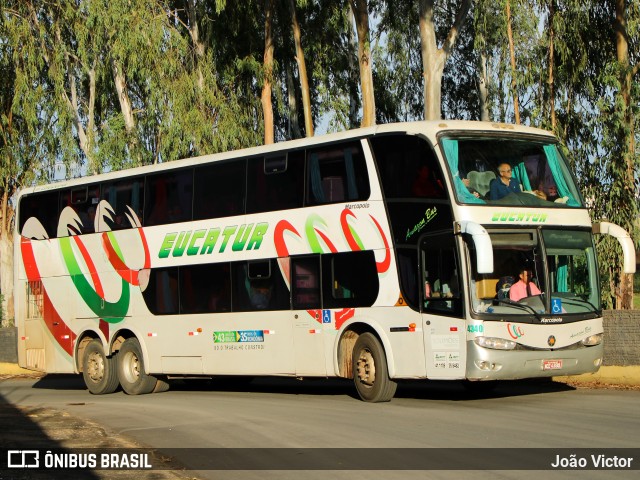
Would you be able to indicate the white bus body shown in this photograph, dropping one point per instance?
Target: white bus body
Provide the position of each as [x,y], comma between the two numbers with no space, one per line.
[375,254]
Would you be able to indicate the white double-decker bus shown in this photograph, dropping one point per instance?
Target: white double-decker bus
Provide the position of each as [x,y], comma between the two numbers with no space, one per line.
[377,254]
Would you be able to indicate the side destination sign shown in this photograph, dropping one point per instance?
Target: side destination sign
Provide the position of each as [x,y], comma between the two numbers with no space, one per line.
[241,336]
[519,217]
[201,242]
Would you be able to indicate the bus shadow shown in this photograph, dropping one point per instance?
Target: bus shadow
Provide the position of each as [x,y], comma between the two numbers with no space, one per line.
[470,391]
[417,389]
[26,442]
[60,381]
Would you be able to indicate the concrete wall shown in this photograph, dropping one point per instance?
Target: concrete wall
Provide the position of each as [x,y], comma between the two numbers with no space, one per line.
[621,339]
[9,345]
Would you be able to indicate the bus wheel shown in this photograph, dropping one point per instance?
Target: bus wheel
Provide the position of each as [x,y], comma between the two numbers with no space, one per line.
[370,373]
[98,370]
[131,369]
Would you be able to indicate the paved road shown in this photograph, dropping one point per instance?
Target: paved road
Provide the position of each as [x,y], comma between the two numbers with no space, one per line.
[286,413]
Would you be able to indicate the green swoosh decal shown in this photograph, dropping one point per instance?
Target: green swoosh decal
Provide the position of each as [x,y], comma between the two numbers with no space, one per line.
[112,312]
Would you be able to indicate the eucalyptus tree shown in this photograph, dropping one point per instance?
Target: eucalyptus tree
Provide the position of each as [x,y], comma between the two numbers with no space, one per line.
[360,9]
[333,63]
[302,68]
[435,52]
[618,105]
[596,104]
[398,66]
[267,106]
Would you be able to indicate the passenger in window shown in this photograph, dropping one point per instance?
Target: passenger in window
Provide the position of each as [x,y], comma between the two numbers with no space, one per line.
[552,193]
[426,184]
[259,294]
[119,222]
[523,287]
[503,185]
[220,298]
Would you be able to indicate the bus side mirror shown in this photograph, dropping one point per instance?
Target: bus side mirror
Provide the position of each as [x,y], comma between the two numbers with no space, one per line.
[482,242]
[625,240]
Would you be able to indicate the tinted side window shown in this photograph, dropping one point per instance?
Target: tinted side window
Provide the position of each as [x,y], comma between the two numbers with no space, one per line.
[161,295]
[337,173]
[44,207]
[84,201]
[205,288]
[407,166]
[408,269]
[349,280]
[305,283]
[169,197]
[219,190]
[259,285]
[275,182]
[440,280]
[120,195]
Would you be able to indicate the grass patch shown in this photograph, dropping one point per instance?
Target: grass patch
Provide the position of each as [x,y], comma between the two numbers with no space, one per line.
[636,292]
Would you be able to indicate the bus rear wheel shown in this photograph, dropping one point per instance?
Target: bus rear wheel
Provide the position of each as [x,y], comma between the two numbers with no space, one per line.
[131,373]
[98,370]
[370,372]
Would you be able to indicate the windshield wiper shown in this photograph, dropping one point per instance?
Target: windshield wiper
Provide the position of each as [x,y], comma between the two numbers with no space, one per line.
[578,300]
[508,301]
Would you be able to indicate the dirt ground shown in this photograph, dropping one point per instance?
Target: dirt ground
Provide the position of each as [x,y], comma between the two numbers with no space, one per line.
[45,428]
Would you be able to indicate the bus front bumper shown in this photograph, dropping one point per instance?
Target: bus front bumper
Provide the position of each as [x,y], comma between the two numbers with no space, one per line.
[489,364]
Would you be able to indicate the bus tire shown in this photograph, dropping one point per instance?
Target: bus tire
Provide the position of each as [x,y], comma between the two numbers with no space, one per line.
[131,373]
[99,371]
[370,372]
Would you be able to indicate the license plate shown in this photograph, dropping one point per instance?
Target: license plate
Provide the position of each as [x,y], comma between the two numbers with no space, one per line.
[551,364]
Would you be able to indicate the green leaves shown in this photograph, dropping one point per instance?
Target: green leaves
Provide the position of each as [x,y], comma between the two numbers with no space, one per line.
[92,86]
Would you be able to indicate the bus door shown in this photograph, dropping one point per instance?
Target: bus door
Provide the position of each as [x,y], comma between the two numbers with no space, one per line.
[48,341]
[309,320]
[441,305]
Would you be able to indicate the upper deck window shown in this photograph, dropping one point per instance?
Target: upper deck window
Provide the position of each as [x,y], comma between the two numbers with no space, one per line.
[508,171]
[408,167]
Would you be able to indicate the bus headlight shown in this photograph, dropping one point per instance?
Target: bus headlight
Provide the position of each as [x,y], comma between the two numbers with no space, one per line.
[495,343]
[592,340]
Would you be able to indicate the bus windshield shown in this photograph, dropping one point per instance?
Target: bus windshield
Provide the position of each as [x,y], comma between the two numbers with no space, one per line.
[537,272]
[509,171]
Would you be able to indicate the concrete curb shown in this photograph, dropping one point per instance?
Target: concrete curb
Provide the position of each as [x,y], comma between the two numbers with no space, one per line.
[612,375]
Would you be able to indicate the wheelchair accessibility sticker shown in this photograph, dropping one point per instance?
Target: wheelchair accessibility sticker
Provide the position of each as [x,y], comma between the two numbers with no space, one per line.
[326,316]
[556,305]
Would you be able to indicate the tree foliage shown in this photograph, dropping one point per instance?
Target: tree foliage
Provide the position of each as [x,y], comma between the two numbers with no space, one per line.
[93,86]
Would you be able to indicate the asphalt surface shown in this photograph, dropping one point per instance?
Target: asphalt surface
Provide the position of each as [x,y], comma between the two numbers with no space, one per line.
[50,428]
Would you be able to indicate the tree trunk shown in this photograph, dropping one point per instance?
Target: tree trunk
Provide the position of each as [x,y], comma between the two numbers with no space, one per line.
[6,262]
[512,52]
[434,58]
[302,71]
[485,116]
[267,106]
[550,80]
[353,73]
[294,125]
[361,13]
[626,74]
[126,108]
[198,44]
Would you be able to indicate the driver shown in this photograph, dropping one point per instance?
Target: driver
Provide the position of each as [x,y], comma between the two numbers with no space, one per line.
[523,287]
